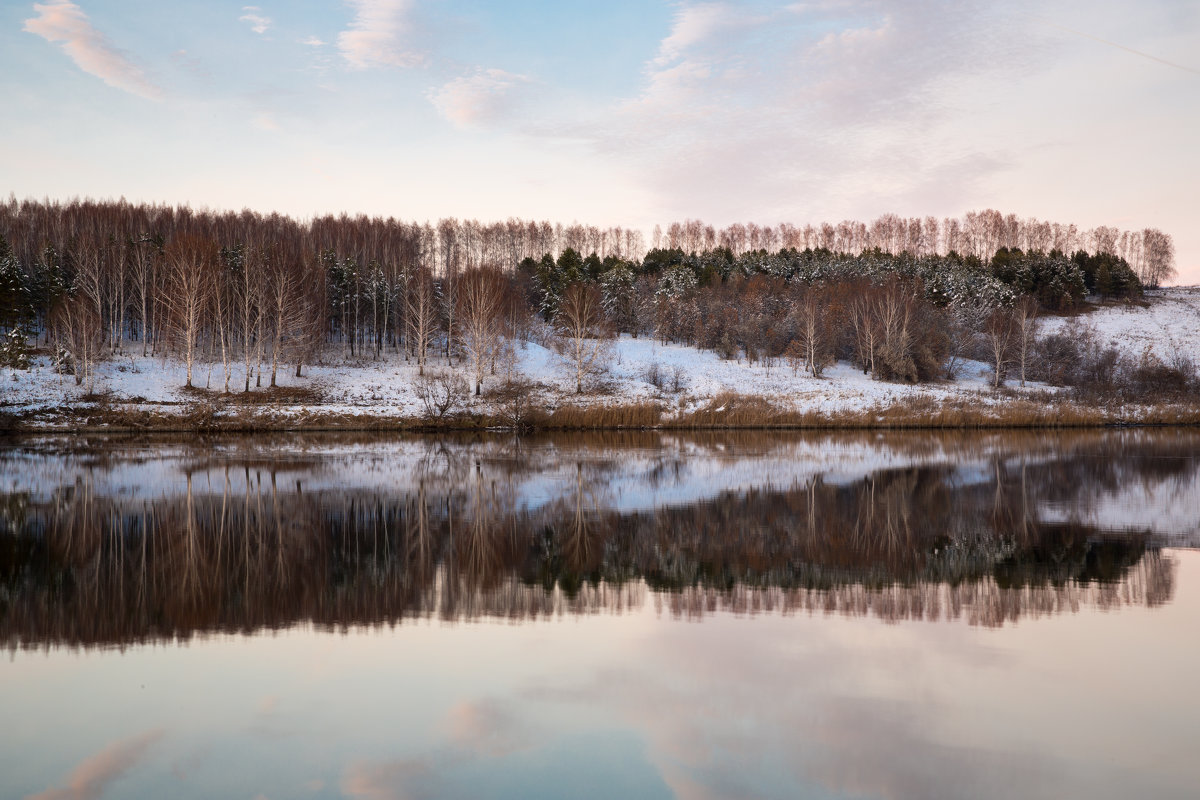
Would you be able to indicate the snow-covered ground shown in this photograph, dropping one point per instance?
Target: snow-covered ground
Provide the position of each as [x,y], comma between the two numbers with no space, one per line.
[385,388]
[1169,326]
[705,375]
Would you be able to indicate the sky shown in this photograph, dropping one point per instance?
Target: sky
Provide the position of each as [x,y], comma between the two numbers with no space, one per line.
[616,113]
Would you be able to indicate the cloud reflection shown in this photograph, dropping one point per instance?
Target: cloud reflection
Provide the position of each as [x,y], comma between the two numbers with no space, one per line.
[485,727]
[95,774]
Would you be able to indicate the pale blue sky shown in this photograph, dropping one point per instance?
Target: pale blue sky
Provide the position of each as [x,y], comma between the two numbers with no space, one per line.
[625,113]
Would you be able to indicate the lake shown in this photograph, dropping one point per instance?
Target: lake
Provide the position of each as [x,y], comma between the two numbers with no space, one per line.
[750,614]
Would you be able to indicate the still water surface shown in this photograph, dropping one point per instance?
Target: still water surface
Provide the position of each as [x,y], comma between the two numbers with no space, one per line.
[741,615]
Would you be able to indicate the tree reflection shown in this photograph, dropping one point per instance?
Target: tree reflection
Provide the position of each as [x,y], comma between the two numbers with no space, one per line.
[246,545]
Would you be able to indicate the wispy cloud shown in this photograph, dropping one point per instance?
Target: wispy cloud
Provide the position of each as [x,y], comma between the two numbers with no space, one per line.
[838,100]
[62,22]
[1183,67]
[253,15]
[482,97]
[696,24]
[376,35]
[312,41]
[93,775]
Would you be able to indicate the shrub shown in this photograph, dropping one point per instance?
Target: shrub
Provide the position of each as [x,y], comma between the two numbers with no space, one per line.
[516,404]
[655,375]
[202,414]
[1075,357]
[1056,357]
[1153,377]
[441,392]
[679,380]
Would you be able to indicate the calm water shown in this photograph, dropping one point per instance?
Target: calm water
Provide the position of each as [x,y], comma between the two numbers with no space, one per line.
[751,615]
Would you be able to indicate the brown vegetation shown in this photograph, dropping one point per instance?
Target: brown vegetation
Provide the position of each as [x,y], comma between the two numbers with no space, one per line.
[258,292]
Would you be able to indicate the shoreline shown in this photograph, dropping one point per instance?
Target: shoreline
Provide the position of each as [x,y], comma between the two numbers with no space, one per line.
[727,412]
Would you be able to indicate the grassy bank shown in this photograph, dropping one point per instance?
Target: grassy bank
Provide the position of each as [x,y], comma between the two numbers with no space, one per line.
[213,414]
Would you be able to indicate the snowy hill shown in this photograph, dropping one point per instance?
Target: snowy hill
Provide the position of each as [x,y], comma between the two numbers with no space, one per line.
[1168,325]
[688,379]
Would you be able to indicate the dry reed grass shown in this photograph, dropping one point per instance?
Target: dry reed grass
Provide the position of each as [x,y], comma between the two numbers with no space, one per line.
[754,411]
[269,395]
[212,414]
[628,415]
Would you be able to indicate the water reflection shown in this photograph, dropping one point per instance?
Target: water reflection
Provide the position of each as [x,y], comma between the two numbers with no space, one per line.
[111,542]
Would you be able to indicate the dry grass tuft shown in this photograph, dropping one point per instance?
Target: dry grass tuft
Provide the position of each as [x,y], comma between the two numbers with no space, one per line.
[631,415]
[754,411]
[732,410]
[271,395]
[279,395]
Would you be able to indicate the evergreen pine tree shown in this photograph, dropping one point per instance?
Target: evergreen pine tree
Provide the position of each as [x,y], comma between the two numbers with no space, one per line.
[15,305]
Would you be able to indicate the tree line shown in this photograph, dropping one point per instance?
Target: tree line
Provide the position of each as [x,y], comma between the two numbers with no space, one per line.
[1150,252]
[901,298]
[895,316]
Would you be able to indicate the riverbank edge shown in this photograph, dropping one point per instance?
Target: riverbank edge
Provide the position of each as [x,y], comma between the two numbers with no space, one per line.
[725,412]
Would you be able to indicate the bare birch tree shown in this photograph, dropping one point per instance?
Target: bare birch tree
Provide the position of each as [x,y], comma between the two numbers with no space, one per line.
[1000,332]
[223,316]
[812,330]
[189,290]
[246,268]
[285,305]
[1025,324]
[421,315]
[864,322]
[77,329]
[143,263]
[895,311]
[1158,253]
[480,299]
[582,331]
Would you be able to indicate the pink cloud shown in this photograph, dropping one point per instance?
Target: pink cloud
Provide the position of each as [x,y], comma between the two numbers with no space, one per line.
[375,37]
[477,98]
[62,22]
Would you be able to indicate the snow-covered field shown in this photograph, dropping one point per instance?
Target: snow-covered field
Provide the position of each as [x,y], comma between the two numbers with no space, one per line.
[385,388]
[1169,326]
